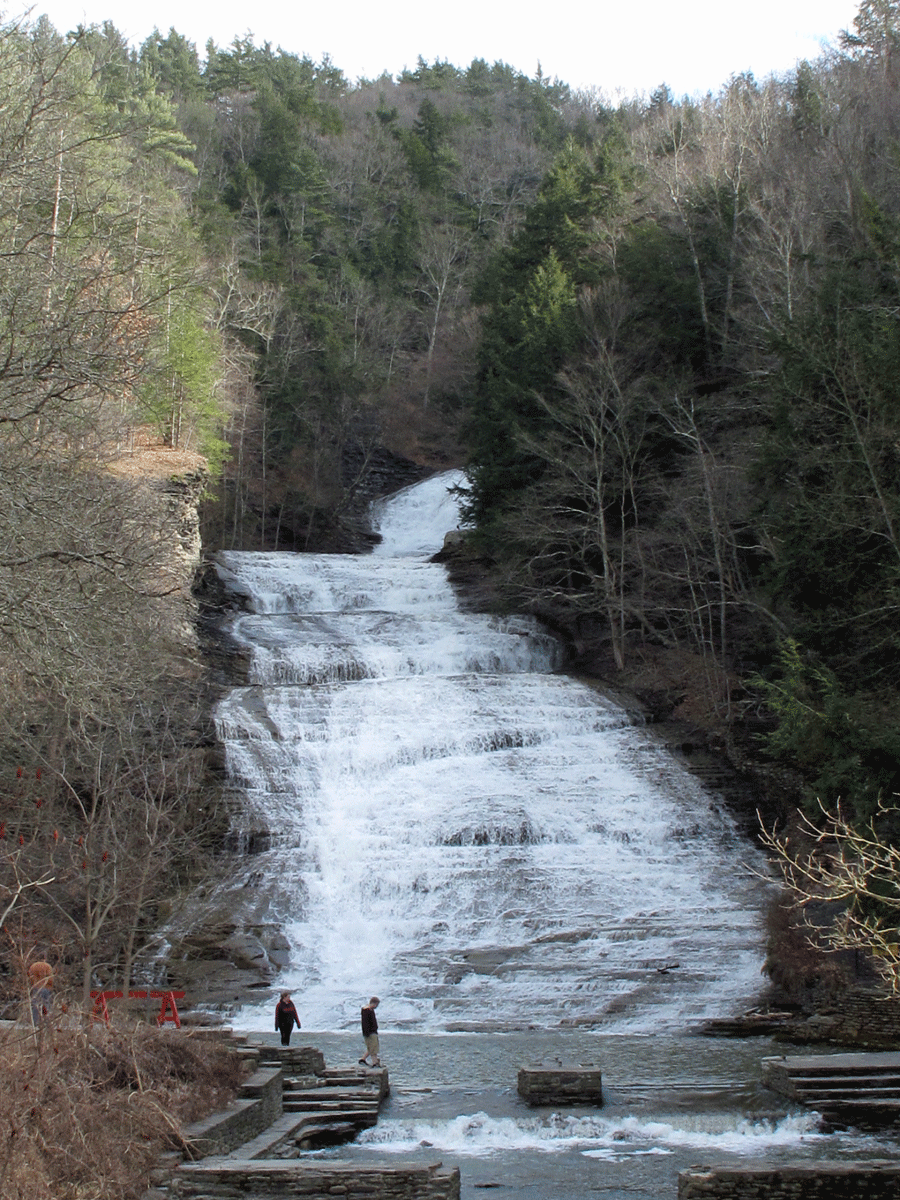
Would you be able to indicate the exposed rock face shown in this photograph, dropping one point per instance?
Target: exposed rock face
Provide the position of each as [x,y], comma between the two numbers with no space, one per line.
[377,472]
[452,540]
[182,494]
[218,964]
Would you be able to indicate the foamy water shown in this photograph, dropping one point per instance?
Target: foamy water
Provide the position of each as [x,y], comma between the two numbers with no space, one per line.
[480,1135]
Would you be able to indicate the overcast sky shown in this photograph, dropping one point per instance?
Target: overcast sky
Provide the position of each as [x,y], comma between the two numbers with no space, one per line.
[613,45]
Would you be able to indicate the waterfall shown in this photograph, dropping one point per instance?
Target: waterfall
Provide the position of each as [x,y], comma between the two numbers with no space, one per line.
[454,824]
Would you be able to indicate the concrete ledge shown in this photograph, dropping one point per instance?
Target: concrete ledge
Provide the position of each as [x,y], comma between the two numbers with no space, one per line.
[561,1083]
[292,1180]
[876,1180]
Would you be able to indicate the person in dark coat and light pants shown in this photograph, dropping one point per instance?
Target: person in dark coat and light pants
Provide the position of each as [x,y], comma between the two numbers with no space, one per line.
[285,1017]
[370,1034]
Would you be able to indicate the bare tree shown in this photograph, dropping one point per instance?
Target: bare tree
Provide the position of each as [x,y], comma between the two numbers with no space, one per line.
[442,262]
[854,867]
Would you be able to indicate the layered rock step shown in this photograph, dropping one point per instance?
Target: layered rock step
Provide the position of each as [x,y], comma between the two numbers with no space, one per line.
[331,1115]
[846,1087]
[322,1106]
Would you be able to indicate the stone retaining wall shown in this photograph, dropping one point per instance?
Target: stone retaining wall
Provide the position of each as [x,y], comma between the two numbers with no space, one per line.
[259,1104]
[304,1061]
[801,1181]
[313,1181]
[856,1019]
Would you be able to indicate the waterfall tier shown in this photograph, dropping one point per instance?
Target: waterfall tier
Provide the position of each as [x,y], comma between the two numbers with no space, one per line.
[456,826]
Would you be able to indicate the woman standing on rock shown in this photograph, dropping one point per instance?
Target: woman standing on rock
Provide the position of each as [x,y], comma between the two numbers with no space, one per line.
[285,1016]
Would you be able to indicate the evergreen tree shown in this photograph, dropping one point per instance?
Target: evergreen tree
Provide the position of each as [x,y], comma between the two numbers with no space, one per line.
[532,322]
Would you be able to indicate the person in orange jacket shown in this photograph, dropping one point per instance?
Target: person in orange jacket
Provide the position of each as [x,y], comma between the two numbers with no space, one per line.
[40,983]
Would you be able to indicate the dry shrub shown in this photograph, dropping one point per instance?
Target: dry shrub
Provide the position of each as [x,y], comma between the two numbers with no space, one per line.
[86,1109]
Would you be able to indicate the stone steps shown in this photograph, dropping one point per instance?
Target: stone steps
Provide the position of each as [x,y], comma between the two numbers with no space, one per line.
[363,1117]
[345,1109]
[839,1085]
[300,1099]
[294,1060]
[331,1095]
[307,1110]
[347,1104]
[271,1143]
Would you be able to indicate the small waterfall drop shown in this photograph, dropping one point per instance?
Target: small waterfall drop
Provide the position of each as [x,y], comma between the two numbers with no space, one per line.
[453,824]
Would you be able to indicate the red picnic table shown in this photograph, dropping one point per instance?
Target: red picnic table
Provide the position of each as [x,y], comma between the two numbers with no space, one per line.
[168,1010]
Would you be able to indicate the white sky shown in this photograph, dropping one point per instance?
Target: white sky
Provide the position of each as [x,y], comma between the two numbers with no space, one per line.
[613,45]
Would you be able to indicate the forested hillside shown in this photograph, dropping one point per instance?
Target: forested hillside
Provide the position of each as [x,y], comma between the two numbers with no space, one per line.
[106,348]
[662,335]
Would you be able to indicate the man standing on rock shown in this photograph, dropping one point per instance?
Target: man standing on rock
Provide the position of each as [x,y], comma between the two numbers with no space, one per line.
[370,1034]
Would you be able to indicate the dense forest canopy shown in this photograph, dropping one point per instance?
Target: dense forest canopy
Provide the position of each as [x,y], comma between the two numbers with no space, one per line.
[661,335]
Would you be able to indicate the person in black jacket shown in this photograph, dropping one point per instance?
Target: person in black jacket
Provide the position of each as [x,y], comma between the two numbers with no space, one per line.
[370,1034]
[285,1016]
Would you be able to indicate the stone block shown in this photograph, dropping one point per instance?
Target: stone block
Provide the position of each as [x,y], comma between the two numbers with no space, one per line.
[561,1083]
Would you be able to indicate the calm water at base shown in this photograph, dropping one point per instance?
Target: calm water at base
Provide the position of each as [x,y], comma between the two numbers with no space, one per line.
[670,1102]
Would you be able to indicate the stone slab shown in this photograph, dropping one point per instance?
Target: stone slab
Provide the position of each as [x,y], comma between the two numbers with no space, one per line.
[304,1180]
[278,1133]
[887,1060]
[835,1082]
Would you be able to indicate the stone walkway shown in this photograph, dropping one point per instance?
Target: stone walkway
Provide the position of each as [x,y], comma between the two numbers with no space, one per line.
[257,1148]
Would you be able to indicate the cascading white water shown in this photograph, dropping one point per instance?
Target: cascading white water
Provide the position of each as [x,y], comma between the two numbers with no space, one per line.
[457,826]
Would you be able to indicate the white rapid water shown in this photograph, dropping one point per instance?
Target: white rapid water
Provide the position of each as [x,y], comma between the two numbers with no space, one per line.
[481,841]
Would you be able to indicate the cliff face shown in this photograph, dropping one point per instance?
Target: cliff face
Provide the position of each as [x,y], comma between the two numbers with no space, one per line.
[182,494]
[174,482]
[180,497]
